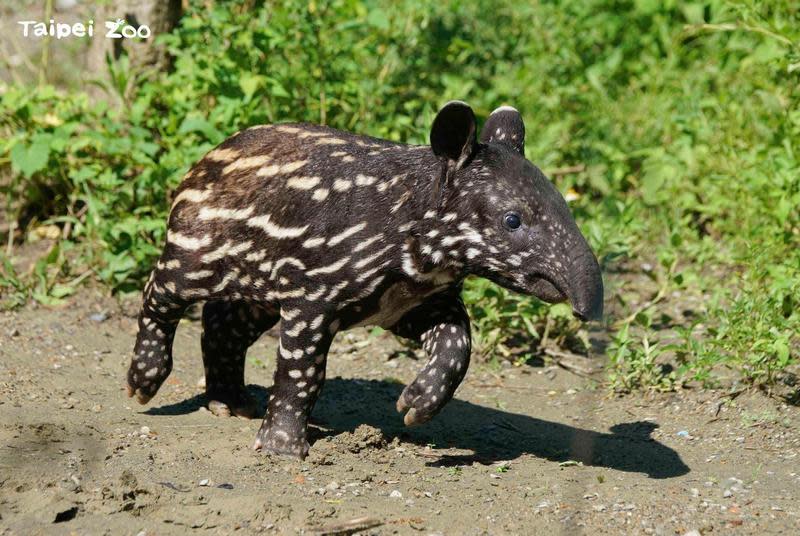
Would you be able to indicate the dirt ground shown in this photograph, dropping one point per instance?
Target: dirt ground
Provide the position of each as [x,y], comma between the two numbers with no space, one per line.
[521,450]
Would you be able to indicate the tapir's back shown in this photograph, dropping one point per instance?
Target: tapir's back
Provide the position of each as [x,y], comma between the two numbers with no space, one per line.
[300,175]
[290,209]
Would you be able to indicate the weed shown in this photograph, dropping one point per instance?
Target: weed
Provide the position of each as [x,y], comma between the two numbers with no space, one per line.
[635,358]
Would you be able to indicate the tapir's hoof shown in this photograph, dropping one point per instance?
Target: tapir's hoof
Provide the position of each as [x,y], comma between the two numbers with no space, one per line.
[416,408]
[140,396]
[240,404]
[279,442]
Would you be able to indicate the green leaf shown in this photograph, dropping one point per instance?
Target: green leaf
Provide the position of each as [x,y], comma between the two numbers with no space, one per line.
[197,123]
[249,83]
[561,310]
[32,158]
[61,291]
[378,19]
[277,89]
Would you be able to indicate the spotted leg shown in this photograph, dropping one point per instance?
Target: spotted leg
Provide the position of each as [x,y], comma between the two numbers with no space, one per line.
[229,328]
[161,311]
[441,324]
[299,375]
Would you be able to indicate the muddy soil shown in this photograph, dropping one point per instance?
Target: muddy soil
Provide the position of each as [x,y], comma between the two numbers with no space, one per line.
[521,450]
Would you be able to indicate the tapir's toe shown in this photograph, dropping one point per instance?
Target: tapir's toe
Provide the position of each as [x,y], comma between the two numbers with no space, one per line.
[137,393]
[418,405]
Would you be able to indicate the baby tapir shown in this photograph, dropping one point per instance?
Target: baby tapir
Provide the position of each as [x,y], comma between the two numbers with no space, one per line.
[325,230]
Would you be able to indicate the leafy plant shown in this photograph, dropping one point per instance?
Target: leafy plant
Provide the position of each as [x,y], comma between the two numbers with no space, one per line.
[635,358]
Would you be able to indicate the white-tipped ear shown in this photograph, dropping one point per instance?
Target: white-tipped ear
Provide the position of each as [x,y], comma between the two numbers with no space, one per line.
[505,125]
[453,133]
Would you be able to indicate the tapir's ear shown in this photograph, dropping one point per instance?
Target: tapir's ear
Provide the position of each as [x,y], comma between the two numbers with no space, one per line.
[453,133]
[505,125]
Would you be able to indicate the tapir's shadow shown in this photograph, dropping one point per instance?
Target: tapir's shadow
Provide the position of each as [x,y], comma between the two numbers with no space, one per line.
[491,434]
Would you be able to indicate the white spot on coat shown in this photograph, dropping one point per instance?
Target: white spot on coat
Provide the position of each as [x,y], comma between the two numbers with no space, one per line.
[246,163]
[226,249]
[274,230]
[223,155]
[366,260]
[193,196]
[341,185]
[367,242]
[329,268]
[280,169]
[303,183]
[200,274]
[350,231]
[365,180]
[313,242]
[320,194]
[188,242]
[212,213]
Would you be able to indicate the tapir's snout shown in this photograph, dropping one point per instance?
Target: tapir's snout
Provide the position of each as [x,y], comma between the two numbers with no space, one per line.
[570,273]
[585,286]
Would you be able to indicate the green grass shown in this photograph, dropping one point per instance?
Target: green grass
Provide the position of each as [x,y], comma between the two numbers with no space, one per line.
[675,127]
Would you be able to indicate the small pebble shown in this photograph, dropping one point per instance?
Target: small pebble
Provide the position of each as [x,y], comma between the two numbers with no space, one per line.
[727,493]
[396,494]
[98,317]
[333,486]
[204,482]
[144,430]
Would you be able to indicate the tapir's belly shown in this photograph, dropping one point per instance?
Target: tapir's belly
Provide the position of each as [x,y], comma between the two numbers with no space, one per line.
[396,301]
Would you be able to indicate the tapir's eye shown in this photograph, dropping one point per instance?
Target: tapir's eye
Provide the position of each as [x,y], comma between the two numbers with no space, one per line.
[512,221]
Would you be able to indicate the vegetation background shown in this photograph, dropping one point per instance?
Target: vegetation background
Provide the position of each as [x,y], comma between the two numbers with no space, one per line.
[672,127]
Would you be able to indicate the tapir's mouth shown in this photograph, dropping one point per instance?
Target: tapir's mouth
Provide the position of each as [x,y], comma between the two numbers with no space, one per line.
[547,290]
[584,291]
[586,299]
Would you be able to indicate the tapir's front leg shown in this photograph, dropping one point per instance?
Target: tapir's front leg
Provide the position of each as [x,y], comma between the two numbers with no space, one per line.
[299,375]
[441,324]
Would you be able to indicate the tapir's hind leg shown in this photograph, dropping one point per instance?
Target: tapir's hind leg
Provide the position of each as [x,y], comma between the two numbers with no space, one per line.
[161,311]
[229,328]
[441,324]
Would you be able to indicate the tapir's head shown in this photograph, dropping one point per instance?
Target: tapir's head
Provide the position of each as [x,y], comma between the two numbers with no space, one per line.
[504,219]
